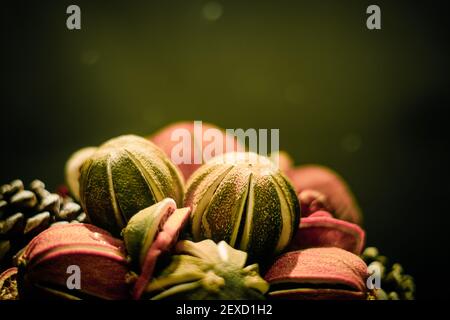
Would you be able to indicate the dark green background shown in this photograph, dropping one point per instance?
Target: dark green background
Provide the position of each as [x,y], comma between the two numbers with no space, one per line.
[371,104]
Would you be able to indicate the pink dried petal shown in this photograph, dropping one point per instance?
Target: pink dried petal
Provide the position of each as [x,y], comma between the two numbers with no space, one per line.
[319,294]
[330,184]
[322,230]
[312,201]
[311,272]
[70,234]
[196,144]
[100,257]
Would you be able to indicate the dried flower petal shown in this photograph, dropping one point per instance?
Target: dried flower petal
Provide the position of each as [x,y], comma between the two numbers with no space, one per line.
[318,273]
[329,183]
[322,230]
[101,259]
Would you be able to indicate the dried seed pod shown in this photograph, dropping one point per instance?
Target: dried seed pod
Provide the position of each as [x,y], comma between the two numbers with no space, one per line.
[150,233]
[44,264]
[207,271]
[318,274]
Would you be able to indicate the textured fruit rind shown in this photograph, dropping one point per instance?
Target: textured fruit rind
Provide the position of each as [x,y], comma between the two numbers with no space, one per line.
[72,169]
[243,199]
[222,217]
[125,175]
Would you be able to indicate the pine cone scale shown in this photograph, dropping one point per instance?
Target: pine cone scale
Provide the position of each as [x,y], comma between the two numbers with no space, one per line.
[24,213]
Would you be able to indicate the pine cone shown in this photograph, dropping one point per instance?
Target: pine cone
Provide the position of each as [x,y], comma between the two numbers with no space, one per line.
[26,213]
[395,284]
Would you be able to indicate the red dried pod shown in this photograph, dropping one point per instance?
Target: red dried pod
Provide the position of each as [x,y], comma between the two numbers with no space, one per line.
[318,274]
[57,253]
[331,185]
[320,229]
[194,138]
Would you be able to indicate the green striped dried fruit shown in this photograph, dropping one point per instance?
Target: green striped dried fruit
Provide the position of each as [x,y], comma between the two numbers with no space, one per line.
[125,175]
[243,199]
[207,271]
[72,169]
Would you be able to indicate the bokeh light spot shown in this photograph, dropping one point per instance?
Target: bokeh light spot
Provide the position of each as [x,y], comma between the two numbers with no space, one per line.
[212,11]
[351,142]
